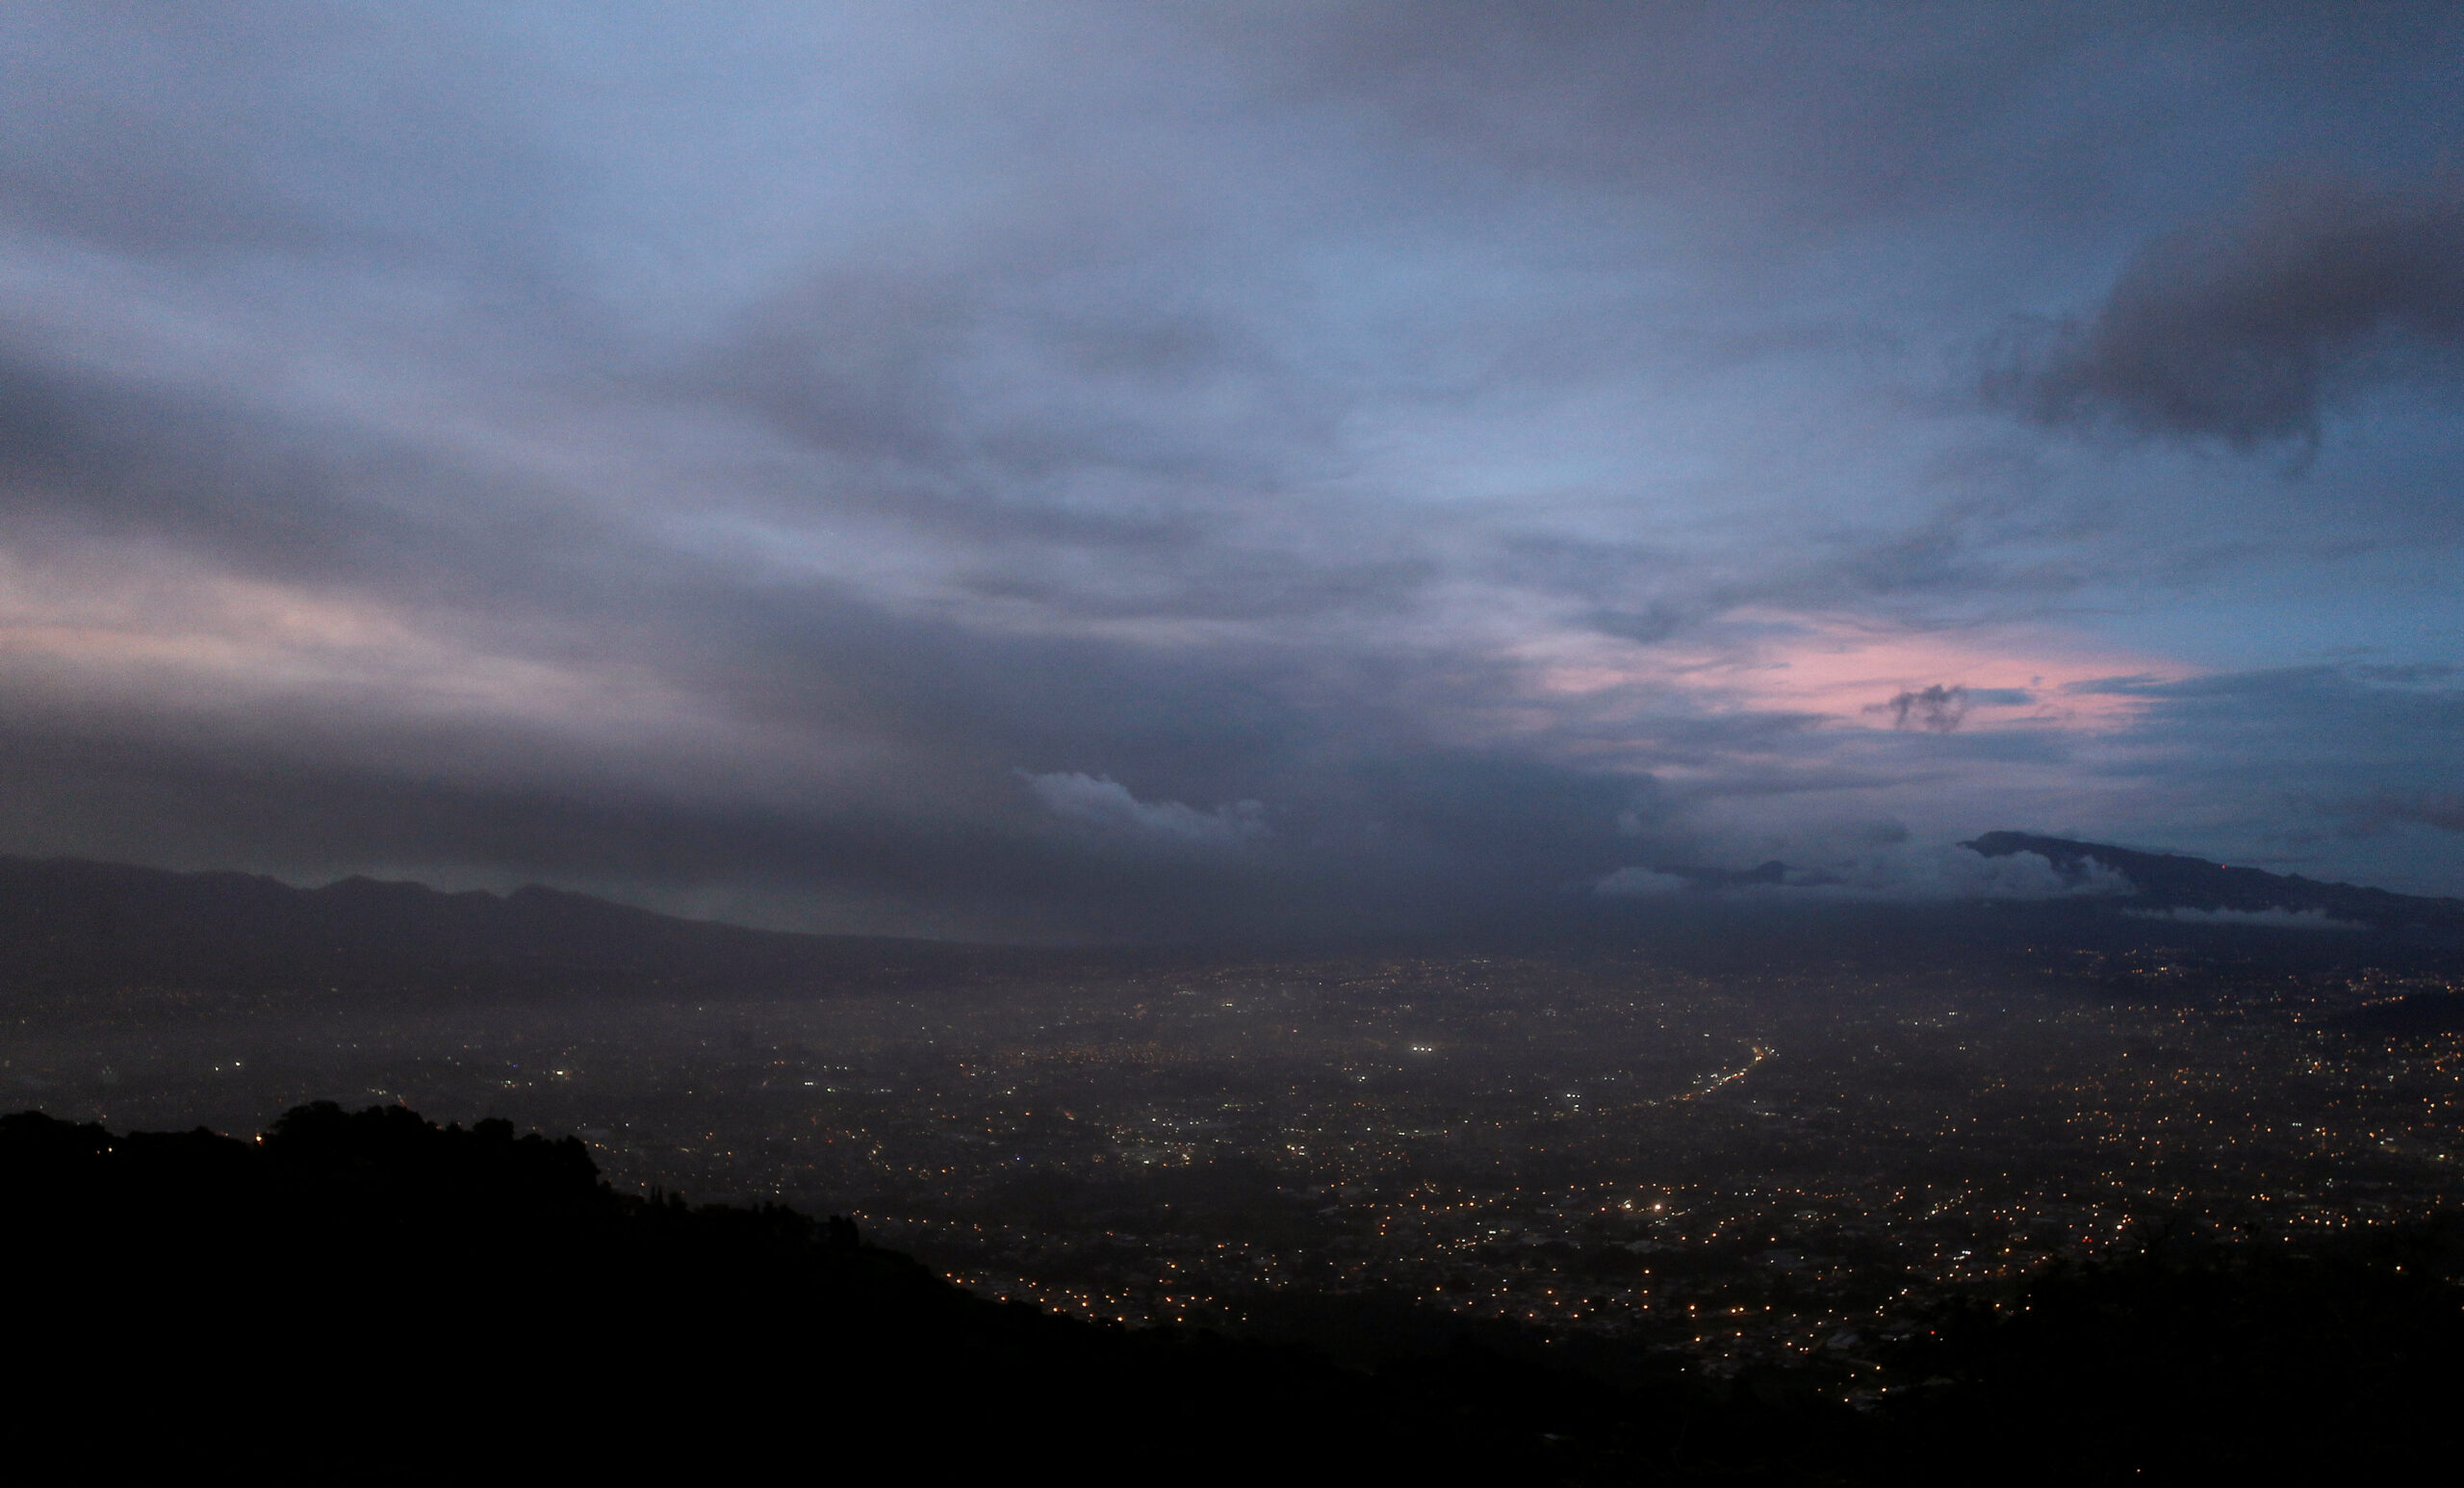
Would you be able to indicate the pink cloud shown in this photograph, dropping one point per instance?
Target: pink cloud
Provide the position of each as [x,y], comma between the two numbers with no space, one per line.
[1848,671]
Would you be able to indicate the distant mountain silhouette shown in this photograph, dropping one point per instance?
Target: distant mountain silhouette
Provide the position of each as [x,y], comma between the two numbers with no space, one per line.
[84,939]
[70,926]
[2167,881]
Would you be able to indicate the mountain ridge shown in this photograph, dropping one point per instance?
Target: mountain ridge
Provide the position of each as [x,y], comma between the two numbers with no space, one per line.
[78,937]
[74,924]
[2172,880]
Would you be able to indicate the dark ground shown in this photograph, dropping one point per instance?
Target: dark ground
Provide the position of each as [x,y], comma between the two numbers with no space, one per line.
[371,1297]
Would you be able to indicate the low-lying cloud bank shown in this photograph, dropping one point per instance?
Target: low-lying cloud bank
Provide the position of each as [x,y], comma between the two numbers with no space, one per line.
[1108,803]
[1921,874]
[2276,918]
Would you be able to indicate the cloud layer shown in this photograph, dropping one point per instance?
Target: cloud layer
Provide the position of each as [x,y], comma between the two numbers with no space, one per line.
[2249,328]
[1095,470]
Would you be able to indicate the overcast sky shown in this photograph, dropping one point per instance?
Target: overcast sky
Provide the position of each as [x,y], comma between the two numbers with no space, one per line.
[1065,468]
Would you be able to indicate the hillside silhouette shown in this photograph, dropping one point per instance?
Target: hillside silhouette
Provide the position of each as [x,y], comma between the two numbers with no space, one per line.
[120,941]
[366,1294]
[72,928]
[2170,881]
[367,1297]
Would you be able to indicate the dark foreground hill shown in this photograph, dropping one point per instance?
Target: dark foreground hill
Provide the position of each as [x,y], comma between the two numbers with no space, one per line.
[360,1296]
[369,1298]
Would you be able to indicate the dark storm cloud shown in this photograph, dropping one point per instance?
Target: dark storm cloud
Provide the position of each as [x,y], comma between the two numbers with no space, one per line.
[1938,707]
[2249,329]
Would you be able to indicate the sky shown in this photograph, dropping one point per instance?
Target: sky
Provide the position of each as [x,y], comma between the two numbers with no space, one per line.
[1070,469]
